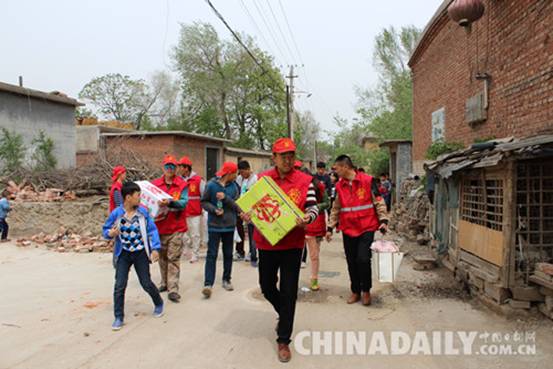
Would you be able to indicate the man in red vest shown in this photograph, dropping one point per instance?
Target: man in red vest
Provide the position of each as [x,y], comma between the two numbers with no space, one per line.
[196,187]
[285,256]
[171,226]
[359,211]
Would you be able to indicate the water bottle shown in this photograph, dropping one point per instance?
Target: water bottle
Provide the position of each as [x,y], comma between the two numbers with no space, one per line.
[219,204]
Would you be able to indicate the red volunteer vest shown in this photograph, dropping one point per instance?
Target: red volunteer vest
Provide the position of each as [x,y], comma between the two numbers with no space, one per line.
[318,227]
[175,221]
[357,213]
[116,186]
[295,184]
[194,209]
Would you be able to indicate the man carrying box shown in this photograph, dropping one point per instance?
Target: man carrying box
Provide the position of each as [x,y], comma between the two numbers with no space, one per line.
[360,211]
[171,226]
[285,256]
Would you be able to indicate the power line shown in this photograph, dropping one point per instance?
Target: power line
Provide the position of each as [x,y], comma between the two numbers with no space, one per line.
[261,14]
[290,31]
[280,30]
[283,11]
[239,40]
[252,20]
[235,35]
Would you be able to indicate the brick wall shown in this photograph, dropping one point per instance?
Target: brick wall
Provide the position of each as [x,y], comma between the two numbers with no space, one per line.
[513,42]
[195,149]
[150,148]
[154,148]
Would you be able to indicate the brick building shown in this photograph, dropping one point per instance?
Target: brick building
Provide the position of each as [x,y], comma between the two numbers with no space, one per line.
[494,80]
[490,87]
[259,160]
[206,152]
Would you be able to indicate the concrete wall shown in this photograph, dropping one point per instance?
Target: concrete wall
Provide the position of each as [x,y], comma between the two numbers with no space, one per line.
[403,164]
[514,46]
[27,116]
[87,138]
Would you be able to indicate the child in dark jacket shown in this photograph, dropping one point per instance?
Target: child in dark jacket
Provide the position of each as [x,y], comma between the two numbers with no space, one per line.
[136,243]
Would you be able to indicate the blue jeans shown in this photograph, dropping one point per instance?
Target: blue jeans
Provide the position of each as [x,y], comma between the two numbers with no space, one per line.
[142,267]
[253,248]
[227,239]
[4,227]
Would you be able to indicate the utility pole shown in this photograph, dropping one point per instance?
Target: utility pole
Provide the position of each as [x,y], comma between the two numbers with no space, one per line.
[290,101]
[288,113]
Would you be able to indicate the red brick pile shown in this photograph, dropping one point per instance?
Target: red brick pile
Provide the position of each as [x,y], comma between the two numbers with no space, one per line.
[25,192]
[65,241]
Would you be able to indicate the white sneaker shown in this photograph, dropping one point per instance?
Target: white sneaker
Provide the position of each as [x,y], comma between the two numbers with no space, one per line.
[228,286]
[303,265]
[248,258]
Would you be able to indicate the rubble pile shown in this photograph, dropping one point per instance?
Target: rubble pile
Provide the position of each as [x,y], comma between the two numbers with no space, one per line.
[26,192]
[89,180]
[64,241]
[410,216]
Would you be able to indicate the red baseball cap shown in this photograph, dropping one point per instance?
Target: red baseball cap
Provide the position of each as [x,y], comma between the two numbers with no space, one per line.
[227,168]
[298,164]
[169,159]
[283,145]
[185,160]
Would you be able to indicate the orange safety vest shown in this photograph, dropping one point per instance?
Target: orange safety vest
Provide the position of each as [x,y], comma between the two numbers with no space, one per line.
[175,221]
[357,213]
[194,208]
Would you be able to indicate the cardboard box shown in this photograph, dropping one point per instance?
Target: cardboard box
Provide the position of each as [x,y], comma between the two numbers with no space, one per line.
[150,196]
[273,213]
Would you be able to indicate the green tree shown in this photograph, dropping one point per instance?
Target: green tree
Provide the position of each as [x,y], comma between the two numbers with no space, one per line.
[306,134]
[224,92]
[347,140]
[120,97]
[386,109]
[43,155]
[12,150]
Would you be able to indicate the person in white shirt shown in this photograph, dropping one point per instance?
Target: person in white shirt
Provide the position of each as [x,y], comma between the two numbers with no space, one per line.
[245,181]
[196,188]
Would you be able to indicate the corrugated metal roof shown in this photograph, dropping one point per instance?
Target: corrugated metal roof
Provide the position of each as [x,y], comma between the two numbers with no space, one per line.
[490,154]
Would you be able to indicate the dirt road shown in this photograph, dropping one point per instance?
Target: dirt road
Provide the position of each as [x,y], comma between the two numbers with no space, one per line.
[56,312]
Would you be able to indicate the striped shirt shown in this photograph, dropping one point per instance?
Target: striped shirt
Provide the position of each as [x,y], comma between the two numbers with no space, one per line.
[311,207]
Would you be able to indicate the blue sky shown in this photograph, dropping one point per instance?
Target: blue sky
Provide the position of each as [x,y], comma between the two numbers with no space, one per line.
[62,44]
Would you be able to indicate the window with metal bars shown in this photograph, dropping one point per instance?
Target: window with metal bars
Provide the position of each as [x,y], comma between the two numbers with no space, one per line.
[482,202]
[534,200]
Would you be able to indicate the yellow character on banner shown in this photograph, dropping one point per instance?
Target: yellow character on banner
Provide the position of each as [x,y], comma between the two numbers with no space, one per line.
[294,195]
[361,192]
[176,196]
[193,187]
